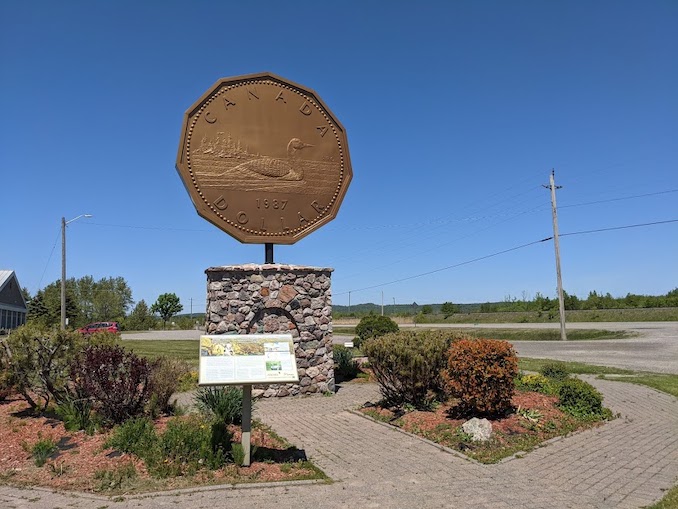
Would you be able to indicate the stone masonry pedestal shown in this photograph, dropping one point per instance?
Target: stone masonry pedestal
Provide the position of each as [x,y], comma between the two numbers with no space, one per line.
[278,299]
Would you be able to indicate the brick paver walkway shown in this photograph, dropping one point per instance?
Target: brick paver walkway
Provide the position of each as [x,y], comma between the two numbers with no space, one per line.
[626,463]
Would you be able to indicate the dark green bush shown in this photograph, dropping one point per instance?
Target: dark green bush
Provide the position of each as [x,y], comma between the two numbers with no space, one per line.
[373,326]
[135,436]
[78,414]
[38,361]
[223,404]
[186,445]
[555,371]
[344,365]
[580,399]
[408,365]
[481,373]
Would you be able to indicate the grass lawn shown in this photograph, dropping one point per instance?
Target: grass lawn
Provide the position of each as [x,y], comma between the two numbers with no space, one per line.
[184,349]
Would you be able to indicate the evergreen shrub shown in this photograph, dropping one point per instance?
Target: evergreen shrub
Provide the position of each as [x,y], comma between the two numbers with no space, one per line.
[344,365]
[408,365]
[581,399]
[372,326]
[555,371]
[481,373]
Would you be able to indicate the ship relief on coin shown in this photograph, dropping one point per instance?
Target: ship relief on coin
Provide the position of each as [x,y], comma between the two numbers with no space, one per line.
[264,159]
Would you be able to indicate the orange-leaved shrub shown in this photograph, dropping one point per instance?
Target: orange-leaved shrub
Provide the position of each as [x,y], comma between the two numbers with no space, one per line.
[480,373]
[408,365]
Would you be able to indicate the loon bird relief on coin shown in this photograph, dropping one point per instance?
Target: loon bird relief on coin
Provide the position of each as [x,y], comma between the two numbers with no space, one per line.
[264,159]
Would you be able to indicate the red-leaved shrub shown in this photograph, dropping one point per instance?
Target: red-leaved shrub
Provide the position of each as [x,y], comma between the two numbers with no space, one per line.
[480,373]
[116,380]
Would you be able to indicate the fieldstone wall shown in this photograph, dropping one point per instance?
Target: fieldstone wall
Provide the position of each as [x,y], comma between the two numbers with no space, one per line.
[278,299]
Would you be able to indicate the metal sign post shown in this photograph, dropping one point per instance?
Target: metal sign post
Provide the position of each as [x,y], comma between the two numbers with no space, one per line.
[246,439]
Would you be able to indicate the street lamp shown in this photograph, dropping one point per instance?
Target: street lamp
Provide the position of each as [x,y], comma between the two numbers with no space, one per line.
[63,266]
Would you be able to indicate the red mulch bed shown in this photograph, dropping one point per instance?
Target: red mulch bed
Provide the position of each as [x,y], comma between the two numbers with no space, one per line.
[510,434]
[80,455]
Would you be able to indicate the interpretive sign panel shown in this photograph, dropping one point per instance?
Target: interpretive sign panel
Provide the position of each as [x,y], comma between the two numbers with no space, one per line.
[247,359]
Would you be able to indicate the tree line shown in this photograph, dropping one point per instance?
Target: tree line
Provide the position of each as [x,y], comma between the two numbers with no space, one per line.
[106,300]
[594,300]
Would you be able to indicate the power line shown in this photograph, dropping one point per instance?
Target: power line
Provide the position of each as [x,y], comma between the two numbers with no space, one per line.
[515,248]
[619,227]
[48,259]
[617,199]
[448,267]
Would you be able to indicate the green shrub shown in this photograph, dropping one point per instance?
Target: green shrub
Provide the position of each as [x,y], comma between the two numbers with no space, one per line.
[186,446]
[224,404]
[6,383]
[166,376]
[344,365]
[78,414]
[580,399]
[408,365]
[481,373]
[38,362]
[536,383]
[373,326]
[42,450]
[135,436]
[555,371]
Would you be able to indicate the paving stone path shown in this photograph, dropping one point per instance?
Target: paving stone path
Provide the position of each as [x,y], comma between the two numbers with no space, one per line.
[626,463]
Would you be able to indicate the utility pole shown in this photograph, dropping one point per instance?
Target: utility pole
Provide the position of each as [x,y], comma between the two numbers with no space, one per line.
[349,303]
[382,303]
[561,303]
[63,273]
[191,308]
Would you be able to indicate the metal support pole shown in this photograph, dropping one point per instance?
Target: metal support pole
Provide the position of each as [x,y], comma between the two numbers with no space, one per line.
[561,302]
[63,273]
[246,424]
[269,253]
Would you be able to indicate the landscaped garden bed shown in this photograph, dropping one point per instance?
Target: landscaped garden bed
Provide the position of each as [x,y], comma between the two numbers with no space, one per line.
[536,420]
[439,385]
[84,413]
[78,461]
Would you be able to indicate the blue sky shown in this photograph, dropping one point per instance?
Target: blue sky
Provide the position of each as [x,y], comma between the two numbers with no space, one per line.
[456,112]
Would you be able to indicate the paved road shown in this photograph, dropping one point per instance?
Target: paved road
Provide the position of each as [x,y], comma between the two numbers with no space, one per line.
[655,348]
[627,463]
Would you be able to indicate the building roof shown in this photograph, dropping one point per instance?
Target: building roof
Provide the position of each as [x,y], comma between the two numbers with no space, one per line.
[5,277]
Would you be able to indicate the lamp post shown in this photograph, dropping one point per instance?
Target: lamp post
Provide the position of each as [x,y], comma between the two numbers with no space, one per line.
[63,266]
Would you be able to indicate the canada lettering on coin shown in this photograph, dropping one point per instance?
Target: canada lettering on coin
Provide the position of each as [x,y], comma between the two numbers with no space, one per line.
[264,159]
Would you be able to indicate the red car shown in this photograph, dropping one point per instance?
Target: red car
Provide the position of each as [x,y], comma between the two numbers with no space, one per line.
[91,328]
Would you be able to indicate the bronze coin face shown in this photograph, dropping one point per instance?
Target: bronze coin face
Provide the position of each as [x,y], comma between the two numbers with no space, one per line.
[264,159]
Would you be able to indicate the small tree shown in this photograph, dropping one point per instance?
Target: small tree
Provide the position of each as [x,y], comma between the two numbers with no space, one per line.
[426,310]
[140,318]
[167,306]
[447,309]
[372,326]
